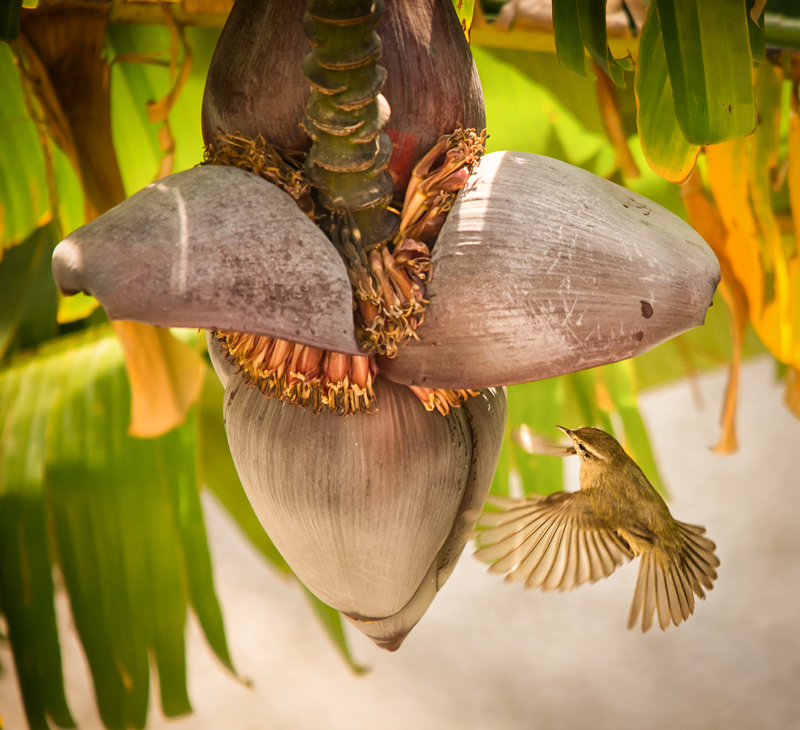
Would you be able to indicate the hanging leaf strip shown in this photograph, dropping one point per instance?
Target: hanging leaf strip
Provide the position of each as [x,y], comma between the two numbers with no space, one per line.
[707,48]
[127,529]
[580,24]
[665,148]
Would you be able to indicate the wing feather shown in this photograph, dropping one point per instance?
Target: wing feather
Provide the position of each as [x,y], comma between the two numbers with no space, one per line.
[553,542]
[537,549]
[605,556]
[535,569]
[583,569]
[688,593]
[556,574]
[700,570]
[515,546]
[571,567]
[594,557]
[677,601]
[649,609]
[662,599]
[695,529]
[638,594]
[671,575]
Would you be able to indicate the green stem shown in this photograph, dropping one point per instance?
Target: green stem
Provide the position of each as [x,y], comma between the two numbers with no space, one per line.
[346,114]
[782,31]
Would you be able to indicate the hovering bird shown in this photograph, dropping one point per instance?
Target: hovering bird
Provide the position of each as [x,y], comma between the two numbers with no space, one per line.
[565,539]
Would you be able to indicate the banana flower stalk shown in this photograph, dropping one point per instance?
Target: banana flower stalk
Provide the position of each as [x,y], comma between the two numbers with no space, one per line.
[535,269]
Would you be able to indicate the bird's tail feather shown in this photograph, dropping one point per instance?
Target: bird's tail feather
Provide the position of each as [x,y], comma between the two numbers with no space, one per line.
[669,579]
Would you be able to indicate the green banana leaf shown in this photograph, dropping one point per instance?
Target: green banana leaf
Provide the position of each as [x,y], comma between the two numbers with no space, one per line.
[710,72]
[125,529]
[24,198]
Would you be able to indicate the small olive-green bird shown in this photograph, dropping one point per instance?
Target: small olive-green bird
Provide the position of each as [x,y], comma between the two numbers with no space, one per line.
[565,539]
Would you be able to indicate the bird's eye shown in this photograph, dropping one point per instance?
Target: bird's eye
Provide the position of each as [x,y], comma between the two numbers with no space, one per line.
[584,452]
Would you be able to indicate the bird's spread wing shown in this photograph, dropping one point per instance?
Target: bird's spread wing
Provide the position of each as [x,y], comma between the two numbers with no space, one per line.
[670,578]
[552,542]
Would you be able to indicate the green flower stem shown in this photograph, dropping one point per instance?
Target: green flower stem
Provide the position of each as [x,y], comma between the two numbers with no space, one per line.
[346,114]
[782,31]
